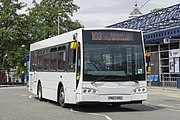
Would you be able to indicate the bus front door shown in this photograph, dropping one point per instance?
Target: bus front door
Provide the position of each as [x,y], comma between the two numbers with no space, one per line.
[33,82]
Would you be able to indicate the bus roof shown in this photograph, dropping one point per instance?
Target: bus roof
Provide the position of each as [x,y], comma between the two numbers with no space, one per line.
[123,29]
[68,37]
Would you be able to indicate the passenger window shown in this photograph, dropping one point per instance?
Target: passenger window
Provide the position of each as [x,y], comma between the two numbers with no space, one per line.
[46,60]
[33,61]
[53,58]
[71,58]
[61,58]
[40,60]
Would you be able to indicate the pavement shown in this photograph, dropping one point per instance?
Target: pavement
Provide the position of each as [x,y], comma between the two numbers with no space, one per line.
[7,86]
[163,88]
[1,86]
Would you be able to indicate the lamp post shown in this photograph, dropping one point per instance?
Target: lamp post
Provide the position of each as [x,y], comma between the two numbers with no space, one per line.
[58,24]
[23,67]
[23,55]
[59,15]
[22,46]
[5,67]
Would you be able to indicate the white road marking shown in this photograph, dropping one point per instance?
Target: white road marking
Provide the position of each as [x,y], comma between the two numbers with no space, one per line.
[30,96]
[149,105]
[95,114]
[107,117]
[72,110]
[23,95]
[174,110]
[163,105]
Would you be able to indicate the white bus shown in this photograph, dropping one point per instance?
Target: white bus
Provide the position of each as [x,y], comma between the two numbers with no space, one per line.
[102,65]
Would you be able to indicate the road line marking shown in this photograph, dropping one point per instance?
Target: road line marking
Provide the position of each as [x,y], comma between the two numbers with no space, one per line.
[149,105]
[174,110]
[174,96]
[23,95]
[107,117]
[163,105]
[95,114]
[73,110]
[30,97]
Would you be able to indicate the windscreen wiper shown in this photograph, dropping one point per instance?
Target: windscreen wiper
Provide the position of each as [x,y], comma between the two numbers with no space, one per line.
[99,79]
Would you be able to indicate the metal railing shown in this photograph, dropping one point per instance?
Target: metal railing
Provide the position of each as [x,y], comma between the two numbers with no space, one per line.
[169,81]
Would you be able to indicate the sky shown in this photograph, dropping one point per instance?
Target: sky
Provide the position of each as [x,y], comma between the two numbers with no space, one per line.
[101,13]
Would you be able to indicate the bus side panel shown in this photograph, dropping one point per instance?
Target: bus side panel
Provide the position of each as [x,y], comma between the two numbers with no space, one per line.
[50,82]
[69,80]
[47,82]
[33,82]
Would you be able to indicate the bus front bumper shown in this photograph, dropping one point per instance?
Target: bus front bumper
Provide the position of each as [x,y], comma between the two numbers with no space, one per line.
[110,98]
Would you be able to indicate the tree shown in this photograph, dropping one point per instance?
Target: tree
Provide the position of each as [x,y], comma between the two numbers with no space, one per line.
[11,32]
[40,22]
[43,18]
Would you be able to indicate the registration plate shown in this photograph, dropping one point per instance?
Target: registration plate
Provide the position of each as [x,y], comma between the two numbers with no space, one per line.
[115,98]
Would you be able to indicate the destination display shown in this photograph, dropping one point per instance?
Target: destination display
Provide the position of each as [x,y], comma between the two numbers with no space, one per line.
[112,36]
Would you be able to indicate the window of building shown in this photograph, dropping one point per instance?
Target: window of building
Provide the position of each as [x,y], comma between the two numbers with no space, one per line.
[164,54]
[154,48]
[174,45]
[147,49]
[164,47]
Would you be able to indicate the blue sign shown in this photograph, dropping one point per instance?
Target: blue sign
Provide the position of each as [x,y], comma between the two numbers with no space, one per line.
[154,78]
[27,58]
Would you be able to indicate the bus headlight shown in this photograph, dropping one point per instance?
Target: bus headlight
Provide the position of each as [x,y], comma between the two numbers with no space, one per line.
[89,90]
[84,91]
[139,90]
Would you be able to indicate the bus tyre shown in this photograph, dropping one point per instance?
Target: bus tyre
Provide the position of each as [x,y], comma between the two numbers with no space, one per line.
[62,97]
[40,92]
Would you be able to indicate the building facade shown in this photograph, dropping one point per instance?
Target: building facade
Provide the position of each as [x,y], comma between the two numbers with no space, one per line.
[162,43]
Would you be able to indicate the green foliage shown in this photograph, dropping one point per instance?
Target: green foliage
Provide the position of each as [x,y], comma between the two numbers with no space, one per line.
[40,22]
[44,18]
[11,32]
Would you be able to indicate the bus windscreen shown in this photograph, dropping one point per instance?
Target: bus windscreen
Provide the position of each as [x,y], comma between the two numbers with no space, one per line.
[113,56]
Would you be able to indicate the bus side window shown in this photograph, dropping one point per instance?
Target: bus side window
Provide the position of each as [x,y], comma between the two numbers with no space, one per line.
[71,59]
[53,58]
[33,61]
[40,60]
[61,58]
[46,60]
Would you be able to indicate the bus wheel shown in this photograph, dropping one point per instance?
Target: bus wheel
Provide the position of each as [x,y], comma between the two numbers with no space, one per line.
[62,97]
[40,92]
